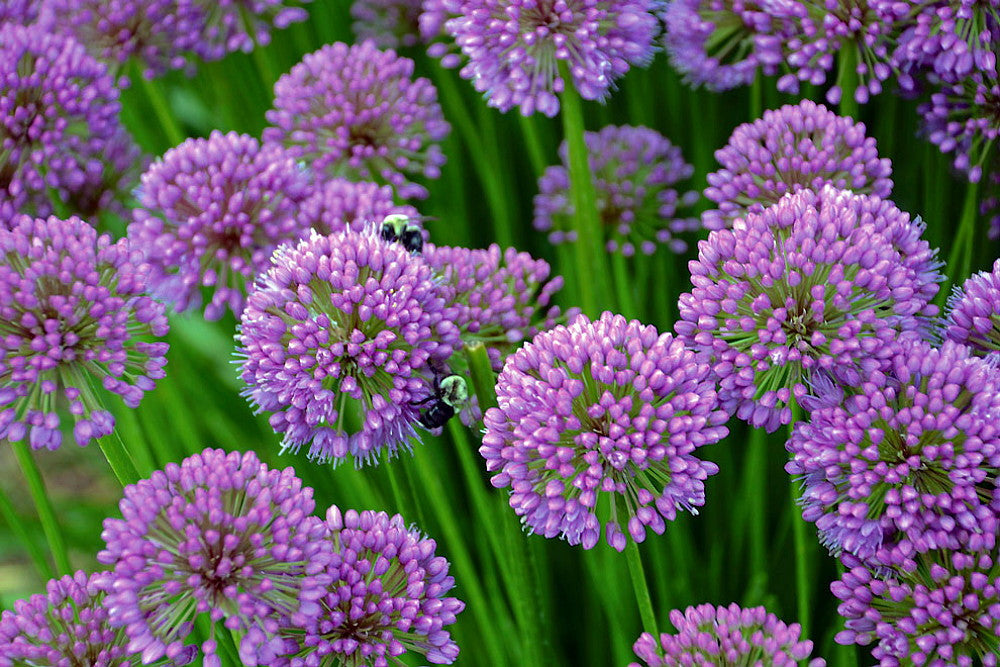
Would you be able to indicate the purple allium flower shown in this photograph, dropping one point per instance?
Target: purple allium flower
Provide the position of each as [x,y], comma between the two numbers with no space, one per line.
[73,311]
[634,170]
[911,456]
[111,182]
[831,26]
[974,314]
[799,146]
[24,12]
[964,119]
[161,35]
[58,115]
[357,112]
[819,281]
[211,212]
[518,51]
[241,25]
[604,407]
[387,597]
[223,535]
[721,43]
[390,24]
[340,204]
[335,340]
[68,625]
[708,635]
[934,608]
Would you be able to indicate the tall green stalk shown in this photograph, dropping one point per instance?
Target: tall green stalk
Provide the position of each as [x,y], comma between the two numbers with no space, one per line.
[13,520]
[43,504]
[642,598]
[847,80]
[803,580]
[959,265]
[162,110]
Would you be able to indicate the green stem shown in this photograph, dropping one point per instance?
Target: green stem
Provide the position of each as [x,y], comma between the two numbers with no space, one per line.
[623,286]
[43,504]
[591,271]
[162,110]
[642,598]
[265,66]
[847,80]
[536,154]
[483,379]
[756,97]
[17,527]
[756,493]
[959,264]
[118,458]
[802,575]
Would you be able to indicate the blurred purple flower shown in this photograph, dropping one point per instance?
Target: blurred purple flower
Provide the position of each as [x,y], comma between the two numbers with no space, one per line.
[220,535]
[964,119]
[111,180]
[974,314]
[817,282]
[242,25]
[708,635]
[387,597]
[911,457]
[24,12]
[335,341]
[605,407]
[722,43]
[73,310]
[211,212]
[357,112]
[68,625]
[518,51]
[634,170]
[340,204]
[390,24]
[799,146]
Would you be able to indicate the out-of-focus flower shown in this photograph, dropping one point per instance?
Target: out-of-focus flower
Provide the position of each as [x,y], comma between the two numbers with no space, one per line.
[24,12]
[242,25]
[974,314]
[337,339]
[58,118]
[340,204]
[799,146]
[220,534]
[68,625]
[519,51]
[964,118]
[934,608]
[390,24]
[211,212]
[605,408]
[634,170]
[358,113]
[911,457]
[111,181]
[722,43]
[388,597]
[73,311]
[818,282]
[708,635]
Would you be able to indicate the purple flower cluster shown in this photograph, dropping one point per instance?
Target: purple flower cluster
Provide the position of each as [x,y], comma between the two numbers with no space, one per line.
[799,146]
[605,408]
[210,214]
[722,43]
[974,314]
[73,310]
[340,204]
[912,456]
[68,625]
[388,597]
[708,635]
[336,339]
[634,170]
[390,24]
[357,112]
[242,25]
[964,118]
[817,282]
[111,182]
[24,12]
[220,535]
[520,52]
[58,120]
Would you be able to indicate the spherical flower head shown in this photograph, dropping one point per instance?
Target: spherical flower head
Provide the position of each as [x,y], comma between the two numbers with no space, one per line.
[58,113]
[111,180]
[974,314]
[708,635]
[340,204]
[390,24]
[721,44]
[336,342]
[634,170]
[357,112]
[211,212]
[911,457]
[936,608]
[518,51]
[242,25]
[68,625]
[24,12]
[829,27]
[220,535]
[817,282]
[609,407]
[797,147]
[73,313]
[388,597]
[964,118]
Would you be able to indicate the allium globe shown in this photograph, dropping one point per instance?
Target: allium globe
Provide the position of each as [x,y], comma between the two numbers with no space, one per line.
[606,413]
[964,118]
[358,113]
[219,535]
[73,314]
[242,25]
[340,204]
[390,24]
[974,314]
